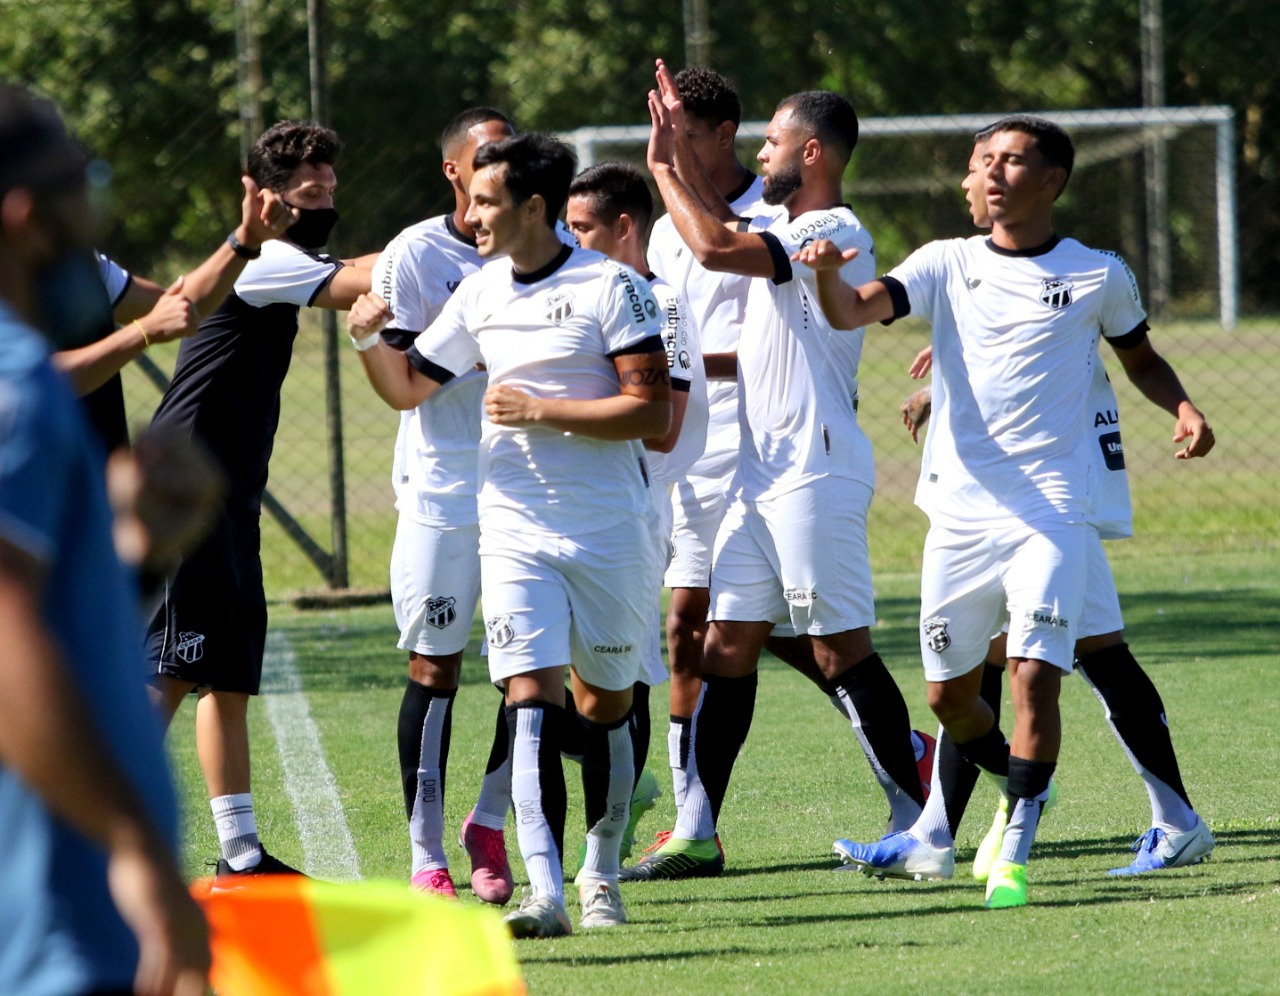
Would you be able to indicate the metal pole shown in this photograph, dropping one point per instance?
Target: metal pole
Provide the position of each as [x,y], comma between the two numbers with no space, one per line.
[1155,158]
[248,75]
[337,575]
[1228,268]
[697,34]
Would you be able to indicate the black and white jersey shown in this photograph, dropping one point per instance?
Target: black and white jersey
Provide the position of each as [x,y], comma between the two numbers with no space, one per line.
[551,334]
[688,376]
[1015,351]
[226,387]
[798,376]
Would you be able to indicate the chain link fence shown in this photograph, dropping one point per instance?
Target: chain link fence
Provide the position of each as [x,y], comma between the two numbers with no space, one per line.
[167,93]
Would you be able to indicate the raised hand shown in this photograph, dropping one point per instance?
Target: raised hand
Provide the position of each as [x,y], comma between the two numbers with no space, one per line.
[822,254]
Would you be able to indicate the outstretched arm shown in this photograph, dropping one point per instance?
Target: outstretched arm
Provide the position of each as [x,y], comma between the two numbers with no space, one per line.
[1151,374]
[845,307]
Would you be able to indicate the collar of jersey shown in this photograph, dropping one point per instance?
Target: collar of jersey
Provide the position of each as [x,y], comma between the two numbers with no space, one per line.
[1039,250]
[457,233]
[742,187]
[545,271]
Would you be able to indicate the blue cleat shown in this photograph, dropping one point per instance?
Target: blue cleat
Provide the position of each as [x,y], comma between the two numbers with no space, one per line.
[899,855]
[1158,850]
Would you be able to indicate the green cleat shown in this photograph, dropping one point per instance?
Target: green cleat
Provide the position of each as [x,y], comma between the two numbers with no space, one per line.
[678,858]
[989,849]
[646,794]
[1006,886]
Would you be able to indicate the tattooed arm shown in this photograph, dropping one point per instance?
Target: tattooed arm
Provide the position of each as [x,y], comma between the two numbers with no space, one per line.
[641,409]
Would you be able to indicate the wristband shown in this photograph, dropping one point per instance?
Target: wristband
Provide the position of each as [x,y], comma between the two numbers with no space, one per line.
[241,250]
[365,344]
[146,341]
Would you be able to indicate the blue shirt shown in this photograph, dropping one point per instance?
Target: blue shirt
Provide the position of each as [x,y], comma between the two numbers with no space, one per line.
[59,930]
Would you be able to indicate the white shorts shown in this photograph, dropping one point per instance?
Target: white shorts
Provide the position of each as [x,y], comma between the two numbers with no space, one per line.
[435,586]
[553,600]
[799,558]
[1101,612]
[697,507]
[972,580]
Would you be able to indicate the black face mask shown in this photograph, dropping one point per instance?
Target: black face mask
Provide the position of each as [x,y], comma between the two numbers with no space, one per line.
[312,228]
[72,300]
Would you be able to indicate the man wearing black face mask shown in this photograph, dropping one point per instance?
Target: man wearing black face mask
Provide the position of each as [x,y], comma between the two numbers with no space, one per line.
[91,899]
[210,632]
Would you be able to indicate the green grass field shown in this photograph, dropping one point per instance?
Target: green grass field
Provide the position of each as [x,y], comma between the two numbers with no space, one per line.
[780,919]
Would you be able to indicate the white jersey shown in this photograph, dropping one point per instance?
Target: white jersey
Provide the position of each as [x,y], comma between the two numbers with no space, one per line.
[716,302]
[798,376]
[550,334]
[688,376]
[1015,351]
[433,469]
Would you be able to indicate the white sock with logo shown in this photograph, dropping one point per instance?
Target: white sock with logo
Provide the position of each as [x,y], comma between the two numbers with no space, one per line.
[237,829]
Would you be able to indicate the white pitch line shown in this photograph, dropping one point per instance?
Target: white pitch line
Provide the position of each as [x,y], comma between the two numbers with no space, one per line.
[327,847]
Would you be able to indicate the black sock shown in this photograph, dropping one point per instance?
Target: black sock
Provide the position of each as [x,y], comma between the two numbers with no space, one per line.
[1135,710]
[571,730]
[641,726]
[501,748]
[414,707]
[724,720]
[552,798]
[990,752]
[595,765]
[992,691]
[885,723]
[1028,779]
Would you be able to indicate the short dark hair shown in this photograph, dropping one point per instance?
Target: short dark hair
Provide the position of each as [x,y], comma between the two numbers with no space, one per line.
[1054,143]
[708,96]
[615,189]
[285,146]
[536,164]
[36,150]
[831,118]
[462,123]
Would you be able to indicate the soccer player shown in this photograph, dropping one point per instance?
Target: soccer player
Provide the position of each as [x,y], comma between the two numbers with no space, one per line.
[792,546]
[91,898]
[1178,836]
[577,375]
[609,211]
[435,562]
[210,632]
[1016,319]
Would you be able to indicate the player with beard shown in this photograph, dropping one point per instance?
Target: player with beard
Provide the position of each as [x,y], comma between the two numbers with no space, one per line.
[577,375]
[1008,476]
[210,632]
[792,546]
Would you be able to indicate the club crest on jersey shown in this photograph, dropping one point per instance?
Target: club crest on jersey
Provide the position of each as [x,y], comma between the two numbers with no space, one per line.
[498,630]
[441,611]
[1056,293]
[559,310]
[190,647]
[935,633]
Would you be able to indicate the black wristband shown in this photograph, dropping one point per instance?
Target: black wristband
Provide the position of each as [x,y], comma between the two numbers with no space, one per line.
[244,252]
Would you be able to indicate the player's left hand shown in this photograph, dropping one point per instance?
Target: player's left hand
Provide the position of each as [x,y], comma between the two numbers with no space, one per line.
[263,215]
[822,254]
[915,411]
[1191,425]
[505,405]
[660,153]
[922,364]
[368,316]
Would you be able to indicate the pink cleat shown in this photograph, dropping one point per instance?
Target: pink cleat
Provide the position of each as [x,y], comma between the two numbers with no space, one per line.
[491,879]
[434,882]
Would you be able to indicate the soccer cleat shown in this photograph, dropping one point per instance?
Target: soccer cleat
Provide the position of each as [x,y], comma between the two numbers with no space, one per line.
[643,798]
[227,877]
[989,849]
[899,855]
[678,858]
[491,879]
[601,904]
[924,759]
[434,882]
[538,917]
[1006,886]
[1158,849]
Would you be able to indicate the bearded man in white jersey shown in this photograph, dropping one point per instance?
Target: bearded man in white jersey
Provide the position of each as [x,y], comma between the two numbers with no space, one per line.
[435,562]
[577,376]
[792,547]
[1016,320]
[1178,836]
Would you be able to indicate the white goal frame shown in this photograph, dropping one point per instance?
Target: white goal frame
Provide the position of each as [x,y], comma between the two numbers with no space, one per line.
[1158,123]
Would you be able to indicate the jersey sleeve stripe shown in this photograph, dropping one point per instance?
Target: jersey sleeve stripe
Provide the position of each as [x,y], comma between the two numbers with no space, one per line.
[649,344]
[1132,338]
[684,386]
[338,265]
[781,259]
[898,297]
[400,339]
[425,367]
